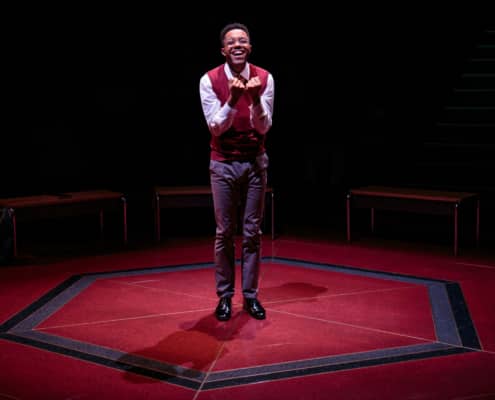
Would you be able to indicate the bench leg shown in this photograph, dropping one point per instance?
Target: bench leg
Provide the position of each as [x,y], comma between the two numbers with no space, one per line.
[14,227]
[157,218]
[272,201]
[348,217]
[101,224]
[477,223]
[372,220]
[124,207]
[269,202]
[456,221]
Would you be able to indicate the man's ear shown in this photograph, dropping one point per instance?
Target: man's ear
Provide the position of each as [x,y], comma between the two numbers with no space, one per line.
[223,52]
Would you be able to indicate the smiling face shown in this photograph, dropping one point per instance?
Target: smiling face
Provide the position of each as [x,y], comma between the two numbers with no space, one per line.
[236,48]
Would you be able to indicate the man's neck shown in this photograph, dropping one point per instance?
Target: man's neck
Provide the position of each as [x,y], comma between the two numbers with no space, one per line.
[237,69]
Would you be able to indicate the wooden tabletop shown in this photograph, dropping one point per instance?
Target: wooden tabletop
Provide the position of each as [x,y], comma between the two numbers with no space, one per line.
[57,199]
[186,190]
[412,193]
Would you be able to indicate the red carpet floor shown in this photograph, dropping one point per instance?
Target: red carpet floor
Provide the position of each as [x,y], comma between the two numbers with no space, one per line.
[364,321]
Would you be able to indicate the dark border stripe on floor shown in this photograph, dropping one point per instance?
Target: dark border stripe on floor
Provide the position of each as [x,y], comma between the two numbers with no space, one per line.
[455,330]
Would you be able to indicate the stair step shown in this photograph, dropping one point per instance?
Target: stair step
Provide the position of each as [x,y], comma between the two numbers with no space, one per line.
[477,81]
[478,126]
[472,97]
[481,65]
[449,176]
[484,51]
[460,151]
[468,114]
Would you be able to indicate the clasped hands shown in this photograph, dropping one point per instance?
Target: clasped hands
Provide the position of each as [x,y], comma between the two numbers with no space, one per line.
[239,86]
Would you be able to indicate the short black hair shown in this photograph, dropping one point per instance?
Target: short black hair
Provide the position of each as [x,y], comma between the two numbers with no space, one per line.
[231,26]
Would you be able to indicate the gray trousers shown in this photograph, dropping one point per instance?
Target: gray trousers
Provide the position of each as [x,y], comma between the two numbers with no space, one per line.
[238,189]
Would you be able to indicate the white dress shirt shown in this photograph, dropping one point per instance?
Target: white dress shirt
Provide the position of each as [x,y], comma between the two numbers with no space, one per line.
[219,118]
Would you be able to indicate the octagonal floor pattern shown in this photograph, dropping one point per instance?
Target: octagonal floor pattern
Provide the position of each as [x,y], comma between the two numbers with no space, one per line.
[157,322]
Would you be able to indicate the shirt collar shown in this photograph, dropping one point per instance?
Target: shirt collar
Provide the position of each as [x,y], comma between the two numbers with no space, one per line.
[244,72]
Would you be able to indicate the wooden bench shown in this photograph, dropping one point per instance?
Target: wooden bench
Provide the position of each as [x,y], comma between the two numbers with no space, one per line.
[194,196]
[63,204]
[412,199]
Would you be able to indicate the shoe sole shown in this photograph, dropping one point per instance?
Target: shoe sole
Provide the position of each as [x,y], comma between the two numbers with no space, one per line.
[254,315]
[226,318]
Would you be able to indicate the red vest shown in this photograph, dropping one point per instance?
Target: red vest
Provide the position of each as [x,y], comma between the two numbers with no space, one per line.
[240,142]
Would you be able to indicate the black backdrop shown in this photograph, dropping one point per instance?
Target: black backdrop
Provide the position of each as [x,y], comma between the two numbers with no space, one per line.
[108,97]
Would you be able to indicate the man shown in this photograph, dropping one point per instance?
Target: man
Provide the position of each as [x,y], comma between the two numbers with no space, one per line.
[237,99]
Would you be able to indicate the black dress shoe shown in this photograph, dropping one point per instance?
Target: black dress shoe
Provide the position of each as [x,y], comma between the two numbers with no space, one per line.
[223,311]
[254,308]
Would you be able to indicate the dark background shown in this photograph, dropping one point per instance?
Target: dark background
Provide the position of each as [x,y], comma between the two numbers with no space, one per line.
[108,98]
